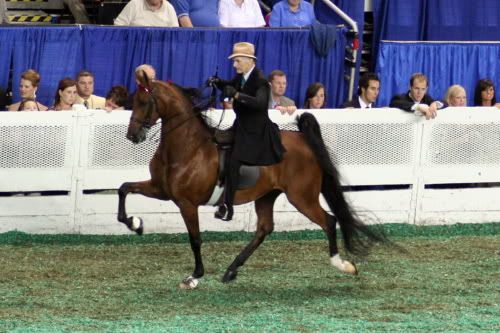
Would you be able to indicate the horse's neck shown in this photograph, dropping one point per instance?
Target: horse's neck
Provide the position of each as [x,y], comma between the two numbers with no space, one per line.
[183,137]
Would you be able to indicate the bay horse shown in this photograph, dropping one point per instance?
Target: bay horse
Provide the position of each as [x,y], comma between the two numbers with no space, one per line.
[184,169]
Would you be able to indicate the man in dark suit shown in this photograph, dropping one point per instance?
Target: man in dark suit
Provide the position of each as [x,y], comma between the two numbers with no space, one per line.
[417,99]
[368,90]
[256,138]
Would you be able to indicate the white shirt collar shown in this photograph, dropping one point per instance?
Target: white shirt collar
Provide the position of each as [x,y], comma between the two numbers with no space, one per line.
[362,103]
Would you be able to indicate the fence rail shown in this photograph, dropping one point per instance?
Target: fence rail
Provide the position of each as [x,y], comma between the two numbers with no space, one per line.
[59,170]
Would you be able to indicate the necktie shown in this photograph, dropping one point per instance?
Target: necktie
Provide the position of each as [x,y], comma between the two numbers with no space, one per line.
[86,104]
[243,81]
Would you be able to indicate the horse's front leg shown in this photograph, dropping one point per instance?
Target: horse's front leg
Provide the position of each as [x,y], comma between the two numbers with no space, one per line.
[189,213]
[145,188]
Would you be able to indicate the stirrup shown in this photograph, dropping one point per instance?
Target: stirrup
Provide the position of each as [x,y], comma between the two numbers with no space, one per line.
[224,213]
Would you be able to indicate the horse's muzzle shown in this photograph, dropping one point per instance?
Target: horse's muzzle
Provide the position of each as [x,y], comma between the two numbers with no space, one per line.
[138,137]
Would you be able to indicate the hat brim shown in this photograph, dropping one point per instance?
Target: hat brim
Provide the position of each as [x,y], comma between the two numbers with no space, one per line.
[234,55]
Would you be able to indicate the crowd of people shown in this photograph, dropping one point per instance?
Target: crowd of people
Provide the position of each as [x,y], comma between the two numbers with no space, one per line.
[78,94]
[215,13]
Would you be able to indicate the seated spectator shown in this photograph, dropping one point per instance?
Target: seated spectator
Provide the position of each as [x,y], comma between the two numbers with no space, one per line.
[292,13]
[145,69]
[368,90]
[148,13]
[29,104]
[417,99]
[240,14]
[28,86]
[455,96]
[65,95]
[85,88]
[278,100]
[484,94]
[117,99]
[315,96]
[197,13]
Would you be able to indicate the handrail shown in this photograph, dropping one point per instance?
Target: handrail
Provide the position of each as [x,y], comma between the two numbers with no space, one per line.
[355,42]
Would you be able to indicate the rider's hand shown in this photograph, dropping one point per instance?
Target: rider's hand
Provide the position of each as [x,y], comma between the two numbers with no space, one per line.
[211,81]
[229,92]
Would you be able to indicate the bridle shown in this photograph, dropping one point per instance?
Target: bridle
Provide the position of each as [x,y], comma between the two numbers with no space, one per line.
[151,106]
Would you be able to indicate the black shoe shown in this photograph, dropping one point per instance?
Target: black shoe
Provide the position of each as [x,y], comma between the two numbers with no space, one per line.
[224,213]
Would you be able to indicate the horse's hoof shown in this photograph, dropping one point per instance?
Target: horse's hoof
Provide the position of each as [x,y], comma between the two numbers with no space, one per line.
[350,268]
[229,276]
[137,225]
[189,283]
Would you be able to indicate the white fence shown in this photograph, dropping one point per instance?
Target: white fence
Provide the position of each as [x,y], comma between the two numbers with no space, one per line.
[52,163]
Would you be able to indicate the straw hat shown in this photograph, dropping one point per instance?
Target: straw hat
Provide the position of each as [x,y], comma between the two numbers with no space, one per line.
[243,49]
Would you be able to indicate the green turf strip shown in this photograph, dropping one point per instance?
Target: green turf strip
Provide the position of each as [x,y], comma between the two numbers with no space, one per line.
[392,230]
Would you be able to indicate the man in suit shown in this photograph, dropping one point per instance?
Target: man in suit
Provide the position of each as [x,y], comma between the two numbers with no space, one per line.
[278,100]
[256,138]
[417,99]
[368,90]
[85,88]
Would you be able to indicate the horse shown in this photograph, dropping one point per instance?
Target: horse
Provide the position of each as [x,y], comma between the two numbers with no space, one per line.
[184,169]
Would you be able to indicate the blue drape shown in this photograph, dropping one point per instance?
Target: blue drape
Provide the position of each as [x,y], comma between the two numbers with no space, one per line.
[444,64]
[185,56]
[53,52]
[443,20]
[7,39]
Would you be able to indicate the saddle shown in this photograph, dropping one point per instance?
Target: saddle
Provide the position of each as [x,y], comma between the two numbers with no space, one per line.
[249,174]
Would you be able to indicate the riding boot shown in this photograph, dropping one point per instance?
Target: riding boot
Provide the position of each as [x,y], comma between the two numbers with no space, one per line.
[226,211]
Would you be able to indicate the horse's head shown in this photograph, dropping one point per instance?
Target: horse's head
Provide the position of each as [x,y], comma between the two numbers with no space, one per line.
[144,112]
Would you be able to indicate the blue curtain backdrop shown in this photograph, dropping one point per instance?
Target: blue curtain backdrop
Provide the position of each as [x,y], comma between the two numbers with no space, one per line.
[444,64]
[7,39]
[186,56]
[53,52]
[431,20]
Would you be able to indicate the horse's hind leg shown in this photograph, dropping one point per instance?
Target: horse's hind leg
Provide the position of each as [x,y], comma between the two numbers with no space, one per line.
[309,205]
[145,188]
[265,225]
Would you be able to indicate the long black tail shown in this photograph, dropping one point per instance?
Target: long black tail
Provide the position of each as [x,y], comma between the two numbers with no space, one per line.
[358,237]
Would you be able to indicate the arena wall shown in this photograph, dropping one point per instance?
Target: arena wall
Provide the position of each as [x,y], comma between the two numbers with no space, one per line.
[60,170]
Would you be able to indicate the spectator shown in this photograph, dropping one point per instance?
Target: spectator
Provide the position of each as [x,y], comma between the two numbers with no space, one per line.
[29,104]
[28,87]
[240,13]
[455,96]
[148,13]
[85,88]
[117,99]
[368,90]
[65,95]
[197,13]
[146,69]
[292,13]
[278,100]
[484,94]
[417,99]
[315,96]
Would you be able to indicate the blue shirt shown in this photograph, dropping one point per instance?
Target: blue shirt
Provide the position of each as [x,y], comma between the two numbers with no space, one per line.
[282,16]
[203,13]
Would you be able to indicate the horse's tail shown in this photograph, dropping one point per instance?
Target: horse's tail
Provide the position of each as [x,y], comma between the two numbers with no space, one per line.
[357,236]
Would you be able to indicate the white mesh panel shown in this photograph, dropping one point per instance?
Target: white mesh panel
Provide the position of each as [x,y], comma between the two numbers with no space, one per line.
[463,144]
[30,146]
[369,144]
[108,147]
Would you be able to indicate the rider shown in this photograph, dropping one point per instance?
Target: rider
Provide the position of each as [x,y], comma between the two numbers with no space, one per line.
[256,138]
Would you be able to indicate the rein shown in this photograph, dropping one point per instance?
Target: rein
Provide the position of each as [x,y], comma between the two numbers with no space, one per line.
[152,103]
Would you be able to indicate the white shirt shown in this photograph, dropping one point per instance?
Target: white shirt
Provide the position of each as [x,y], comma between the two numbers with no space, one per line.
[363,104]
[246,16]
[139,13]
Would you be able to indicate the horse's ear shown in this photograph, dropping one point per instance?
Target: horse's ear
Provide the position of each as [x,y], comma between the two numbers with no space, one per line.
[146,82]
